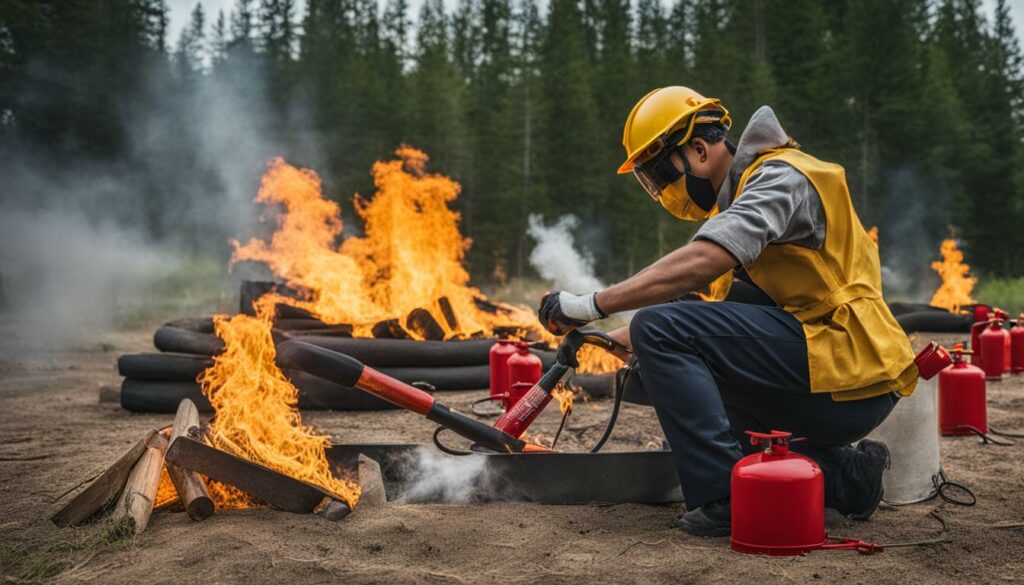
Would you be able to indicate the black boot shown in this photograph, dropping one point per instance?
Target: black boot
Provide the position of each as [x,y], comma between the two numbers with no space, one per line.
[868,468]
[709,520]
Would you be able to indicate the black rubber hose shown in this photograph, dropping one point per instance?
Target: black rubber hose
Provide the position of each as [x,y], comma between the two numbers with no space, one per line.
[163,366]
[935,322]
[407,353]
[319,361]
[901,308]
[314,394]
[197,324]
[177,340]
[310,324]
[624,375]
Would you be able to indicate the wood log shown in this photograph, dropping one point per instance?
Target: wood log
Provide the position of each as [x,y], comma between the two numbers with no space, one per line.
[191,487]
[422,323]
[389,329]
[103,489]
[136,502]
[448,313]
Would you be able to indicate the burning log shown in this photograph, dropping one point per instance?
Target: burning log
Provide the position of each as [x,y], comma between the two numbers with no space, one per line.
[448,313]
[277,490]
[139,493]
[191,487]
[173,339]
[103,489]
[421,322]
[389,329]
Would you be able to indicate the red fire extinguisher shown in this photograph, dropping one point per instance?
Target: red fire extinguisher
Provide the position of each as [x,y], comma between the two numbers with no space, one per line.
[778,502]
[993,341]
[523,366]
[1005,318]
[1017,346]
[962,409]
[498,360]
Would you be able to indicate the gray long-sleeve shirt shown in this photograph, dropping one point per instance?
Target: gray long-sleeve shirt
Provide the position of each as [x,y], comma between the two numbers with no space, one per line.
[778,204]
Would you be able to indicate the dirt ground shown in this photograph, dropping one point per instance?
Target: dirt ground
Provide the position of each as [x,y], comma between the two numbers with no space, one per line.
[54,432]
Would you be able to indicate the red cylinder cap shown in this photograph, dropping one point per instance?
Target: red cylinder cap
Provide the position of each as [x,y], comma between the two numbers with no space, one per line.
[522,347]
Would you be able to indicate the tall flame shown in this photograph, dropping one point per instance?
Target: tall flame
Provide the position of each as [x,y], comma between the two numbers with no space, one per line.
[410,256]
[257,413]
[955,290]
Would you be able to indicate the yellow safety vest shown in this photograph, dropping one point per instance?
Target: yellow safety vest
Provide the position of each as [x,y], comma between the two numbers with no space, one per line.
[855,348]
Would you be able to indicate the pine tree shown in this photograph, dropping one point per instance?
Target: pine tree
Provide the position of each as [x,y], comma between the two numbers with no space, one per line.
[219,41]
[243,25]
[190,52]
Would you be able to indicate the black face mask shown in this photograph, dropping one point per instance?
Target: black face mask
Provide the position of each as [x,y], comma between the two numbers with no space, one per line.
[700,189]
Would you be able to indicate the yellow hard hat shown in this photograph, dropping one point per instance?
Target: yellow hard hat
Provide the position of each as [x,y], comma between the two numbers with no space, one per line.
[662,111]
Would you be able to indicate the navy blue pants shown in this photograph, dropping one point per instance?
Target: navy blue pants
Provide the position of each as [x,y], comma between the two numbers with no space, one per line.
[715,370]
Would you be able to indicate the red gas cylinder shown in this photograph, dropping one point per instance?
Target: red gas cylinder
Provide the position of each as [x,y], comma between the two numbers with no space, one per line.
[518,390]
[523,366]
[1005,317]
[498,360]
[778,502]
[1017,346]
[962,397]
[993,342]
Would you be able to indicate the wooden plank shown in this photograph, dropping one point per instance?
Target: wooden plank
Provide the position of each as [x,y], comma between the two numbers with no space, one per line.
[103,489]
[139,493]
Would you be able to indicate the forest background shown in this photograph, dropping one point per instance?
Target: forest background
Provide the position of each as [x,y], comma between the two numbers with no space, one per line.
[111,131]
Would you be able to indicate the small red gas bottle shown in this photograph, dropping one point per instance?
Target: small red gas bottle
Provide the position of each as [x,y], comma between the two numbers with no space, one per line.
[778,499]
[962,397]
[1017,346]
[498,361]
[993,342]
[523,366]
[778,502]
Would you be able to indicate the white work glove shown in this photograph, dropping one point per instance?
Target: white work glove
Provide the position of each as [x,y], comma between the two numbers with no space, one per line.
[560,312]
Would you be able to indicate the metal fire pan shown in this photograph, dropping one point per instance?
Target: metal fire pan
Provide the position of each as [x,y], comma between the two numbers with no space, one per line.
[646,477]
[276,489]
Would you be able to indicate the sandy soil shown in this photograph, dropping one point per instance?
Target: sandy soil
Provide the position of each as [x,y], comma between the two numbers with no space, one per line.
[54,432]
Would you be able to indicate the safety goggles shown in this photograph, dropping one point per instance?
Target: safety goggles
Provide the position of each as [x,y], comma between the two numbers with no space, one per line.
[658,171]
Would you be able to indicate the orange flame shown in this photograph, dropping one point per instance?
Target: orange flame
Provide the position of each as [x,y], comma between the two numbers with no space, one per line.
[410,256]
[956,286]
[257,415]
[565,398]
[873,234]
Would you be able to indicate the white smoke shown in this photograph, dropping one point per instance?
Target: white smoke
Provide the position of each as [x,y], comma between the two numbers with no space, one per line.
[556,258]
[65,276]
[433,477]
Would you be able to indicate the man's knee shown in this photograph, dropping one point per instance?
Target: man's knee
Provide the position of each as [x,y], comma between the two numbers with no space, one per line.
[652,326]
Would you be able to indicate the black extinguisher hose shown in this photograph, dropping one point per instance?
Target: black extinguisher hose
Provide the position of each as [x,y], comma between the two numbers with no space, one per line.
[620,388]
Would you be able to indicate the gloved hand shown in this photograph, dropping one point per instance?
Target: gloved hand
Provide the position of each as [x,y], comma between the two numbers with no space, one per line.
[560,312]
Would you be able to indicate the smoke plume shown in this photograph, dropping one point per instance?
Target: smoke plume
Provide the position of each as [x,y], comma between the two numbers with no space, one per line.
[556,258]
[433,477]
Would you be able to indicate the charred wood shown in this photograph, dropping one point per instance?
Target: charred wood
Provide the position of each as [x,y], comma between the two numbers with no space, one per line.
[422,323]
[448,313]
[389,329]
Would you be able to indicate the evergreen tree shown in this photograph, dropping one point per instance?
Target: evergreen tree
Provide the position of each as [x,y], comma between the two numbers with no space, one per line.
[190,51]
[219,40]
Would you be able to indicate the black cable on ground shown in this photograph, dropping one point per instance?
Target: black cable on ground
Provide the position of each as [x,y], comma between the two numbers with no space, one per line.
[942,485]
[1015,434]
[561,426]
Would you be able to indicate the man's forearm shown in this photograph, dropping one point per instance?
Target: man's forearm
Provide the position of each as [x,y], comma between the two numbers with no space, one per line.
[683,271]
